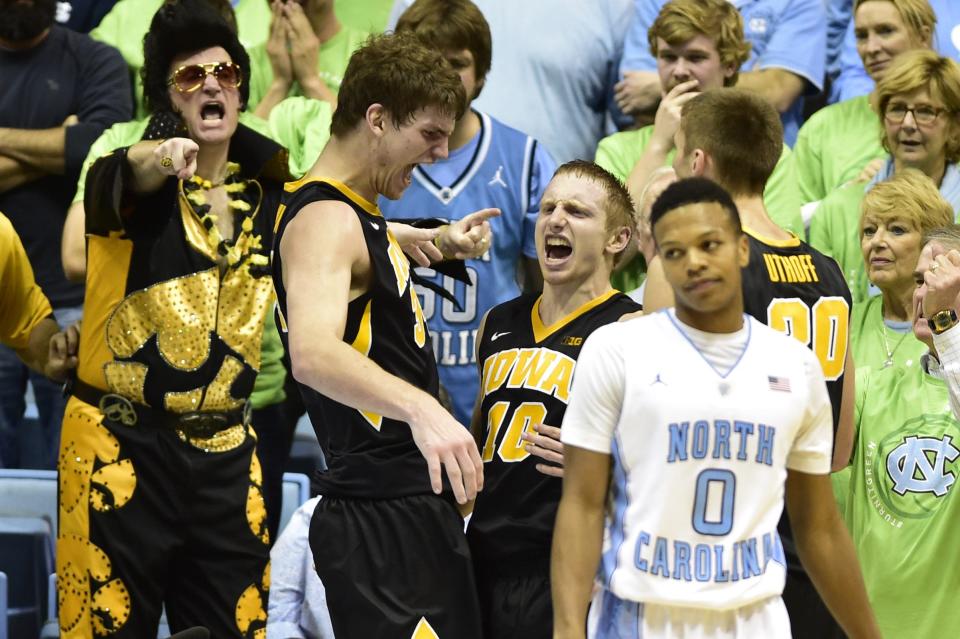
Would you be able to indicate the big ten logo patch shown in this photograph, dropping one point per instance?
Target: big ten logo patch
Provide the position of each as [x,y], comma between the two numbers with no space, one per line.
[916,466]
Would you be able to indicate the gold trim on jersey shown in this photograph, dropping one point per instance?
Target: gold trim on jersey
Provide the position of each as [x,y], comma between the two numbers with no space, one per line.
[362,343]
[424,630]
[354,197]
[541,332]
[792,242]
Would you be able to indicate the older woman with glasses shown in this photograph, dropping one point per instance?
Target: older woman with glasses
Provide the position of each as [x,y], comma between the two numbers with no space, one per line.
[838,141]
[918,102]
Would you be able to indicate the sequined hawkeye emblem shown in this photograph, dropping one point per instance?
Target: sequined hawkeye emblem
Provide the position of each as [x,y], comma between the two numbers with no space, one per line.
[118,409]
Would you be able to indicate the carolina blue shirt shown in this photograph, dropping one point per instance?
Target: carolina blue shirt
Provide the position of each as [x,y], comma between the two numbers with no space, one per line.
[853,79]
[784,34]
[503,168]
[558,85]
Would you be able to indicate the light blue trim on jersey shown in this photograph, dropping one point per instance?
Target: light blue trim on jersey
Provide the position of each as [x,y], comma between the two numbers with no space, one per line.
[619,618]
[617,527]
[747,320]
[446,194]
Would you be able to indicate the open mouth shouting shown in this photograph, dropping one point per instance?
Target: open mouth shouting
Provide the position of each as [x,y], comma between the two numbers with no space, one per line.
[557,250]
[212,111]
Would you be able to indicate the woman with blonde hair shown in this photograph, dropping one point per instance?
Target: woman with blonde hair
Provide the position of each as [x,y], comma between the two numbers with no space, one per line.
[896,216]
[917,102]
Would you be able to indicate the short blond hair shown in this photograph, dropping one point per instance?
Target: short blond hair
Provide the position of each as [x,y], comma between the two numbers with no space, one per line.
[909,195]
[923,69]
[619,207]
[917,15]
[682,20]
[946,236]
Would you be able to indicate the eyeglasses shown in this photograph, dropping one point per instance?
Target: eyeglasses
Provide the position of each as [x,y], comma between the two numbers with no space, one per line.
[191,77]
[923,114]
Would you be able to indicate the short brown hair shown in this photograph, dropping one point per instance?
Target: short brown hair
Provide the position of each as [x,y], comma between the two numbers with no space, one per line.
[908,195]
[399,72]
[682,20]
[618,207]
[451,25]
[923,69]
[917,15]
[740,131]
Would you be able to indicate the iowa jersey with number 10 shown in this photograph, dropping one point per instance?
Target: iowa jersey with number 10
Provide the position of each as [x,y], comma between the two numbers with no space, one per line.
[795,289]
[526,372]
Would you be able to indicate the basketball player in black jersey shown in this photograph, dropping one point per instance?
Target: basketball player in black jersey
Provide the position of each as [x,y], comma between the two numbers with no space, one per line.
[735,138]
[527,351]
[387,538]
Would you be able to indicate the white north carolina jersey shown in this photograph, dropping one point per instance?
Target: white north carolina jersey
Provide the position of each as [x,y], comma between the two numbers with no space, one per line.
[700,457]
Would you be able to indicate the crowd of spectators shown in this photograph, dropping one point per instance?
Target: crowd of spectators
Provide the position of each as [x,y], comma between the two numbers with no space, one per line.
[868,95]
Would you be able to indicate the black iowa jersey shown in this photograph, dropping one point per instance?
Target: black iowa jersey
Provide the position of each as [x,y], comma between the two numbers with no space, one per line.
[367,455]
[794,288]
[526,372]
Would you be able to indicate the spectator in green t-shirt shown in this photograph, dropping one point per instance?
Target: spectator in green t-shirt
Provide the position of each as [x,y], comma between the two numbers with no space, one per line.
[899,502]
[918,100]
[838,141]
[306,54]
[699,45]
[896,215]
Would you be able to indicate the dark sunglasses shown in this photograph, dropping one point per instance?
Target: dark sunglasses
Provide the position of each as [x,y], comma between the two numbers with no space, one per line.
[190,77]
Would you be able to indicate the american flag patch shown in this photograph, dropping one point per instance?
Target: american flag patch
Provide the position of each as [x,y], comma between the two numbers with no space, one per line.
[779,383]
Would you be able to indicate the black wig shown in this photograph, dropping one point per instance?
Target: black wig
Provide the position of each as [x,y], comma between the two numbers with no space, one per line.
[184,27]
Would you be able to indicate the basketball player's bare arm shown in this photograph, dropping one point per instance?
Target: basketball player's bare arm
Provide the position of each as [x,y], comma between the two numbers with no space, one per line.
[827,552]
[577,539]
[325,266]
[476,418]
[469,237]
[843,446]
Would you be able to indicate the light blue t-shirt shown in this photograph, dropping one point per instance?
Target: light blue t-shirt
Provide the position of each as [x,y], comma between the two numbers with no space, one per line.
[784,34]
[554,67]
[853,79]
[503,168]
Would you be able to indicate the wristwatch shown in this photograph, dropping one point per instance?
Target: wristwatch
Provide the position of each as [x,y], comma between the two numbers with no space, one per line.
[942,321]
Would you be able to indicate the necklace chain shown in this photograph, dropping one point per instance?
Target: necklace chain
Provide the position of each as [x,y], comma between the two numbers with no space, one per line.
[889,361]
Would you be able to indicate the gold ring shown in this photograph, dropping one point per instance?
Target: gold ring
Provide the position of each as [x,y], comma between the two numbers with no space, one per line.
[935,266]
[166,161]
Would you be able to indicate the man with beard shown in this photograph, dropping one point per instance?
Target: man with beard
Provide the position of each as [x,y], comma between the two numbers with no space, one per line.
[60,91]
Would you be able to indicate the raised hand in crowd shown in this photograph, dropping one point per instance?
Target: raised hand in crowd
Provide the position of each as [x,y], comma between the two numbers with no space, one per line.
[667,120]
[943,284]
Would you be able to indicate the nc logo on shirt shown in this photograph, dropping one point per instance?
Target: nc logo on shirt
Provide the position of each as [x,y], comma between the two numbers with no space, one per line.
[918,465]
[910,470]
[757,25]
